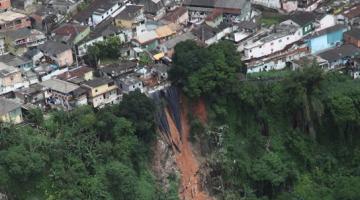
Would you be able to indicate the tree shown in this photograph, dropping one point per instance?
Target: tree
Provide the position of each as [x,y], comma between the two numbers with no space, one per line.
[139,109]
[121,181]
[107,49]
[202,71]
[35,116]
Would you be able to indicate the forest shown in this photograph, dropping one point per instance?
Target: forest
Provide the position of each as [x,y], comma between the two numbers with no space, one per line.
[83,154]
[291,136]
[294,136]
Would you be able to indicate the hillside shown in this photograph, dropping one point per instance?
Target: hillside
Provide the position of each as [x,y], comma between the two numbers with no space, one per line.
[293,137]
[217,134]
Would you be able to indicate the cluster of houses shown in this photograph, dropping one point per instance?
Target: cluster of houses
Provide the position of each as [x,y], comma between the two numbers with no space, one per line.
[44,43]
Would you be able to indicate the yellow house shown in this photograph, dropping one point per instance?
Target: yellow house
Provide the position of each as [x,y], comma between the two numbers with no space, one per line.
[101,92]
[130,16]
[10,111]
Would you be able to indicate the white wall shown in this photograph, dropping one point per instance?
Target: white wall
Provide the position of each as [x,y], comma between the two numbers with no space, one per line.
[276,4]
[264,49]
[99,18]
[326,22]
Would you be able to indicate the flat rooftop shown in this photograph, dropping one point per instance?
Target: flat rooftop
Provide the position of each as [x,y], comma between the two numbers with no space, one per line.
[9,16]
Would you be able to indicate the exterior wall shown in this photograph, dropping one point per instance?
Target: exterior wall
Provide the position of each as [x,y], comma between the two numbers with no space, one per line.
[326,22]
[101,90]
[275,4]
[98,18]
[16,24]
[29,41]
[5,4]
[14,116]
[183,19]
[11,80]
[272,46]
[65,58]
[129,88]
[324,42]
[107,97]
[88,76]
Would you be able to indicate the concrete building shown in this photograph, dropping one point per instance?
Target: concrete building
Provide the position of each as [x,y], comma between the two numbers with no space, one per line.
[23,38]
[10,111]
[130,17]
[70,33]
[282,36]
[130,84]
[19,62]
[178,16]
[305,20]
[274,4]
[326,38]
[99,11]
[10,78]
[101,92]
[339,56]
[59,93]
[11,20]
[59,53]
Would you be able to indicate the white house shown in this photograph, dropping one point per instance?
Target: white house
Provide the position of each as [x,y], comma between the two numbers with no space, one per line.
[104,12]
[275,4]
[279,39]
[326,22]
[129,84]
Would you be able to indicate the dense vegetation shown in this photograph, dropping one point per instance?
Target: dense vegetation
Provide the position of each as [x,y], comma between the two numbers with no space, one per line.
[291,137]
[295,137]
[83,154]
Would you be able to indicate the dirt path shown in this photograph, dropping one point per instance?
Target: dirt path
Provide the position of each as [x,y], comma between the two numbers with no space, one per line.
[185,159]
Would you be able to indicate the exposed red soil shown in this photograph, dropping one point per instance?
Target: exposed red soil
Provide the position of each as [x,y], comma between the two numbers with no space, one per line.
[190,188]
[200,111]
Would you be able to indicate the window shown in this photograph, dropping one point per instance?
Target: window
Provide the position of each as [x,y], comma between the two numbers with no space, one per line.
[272,43]
[280,41]
[96,90]
[287,38]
